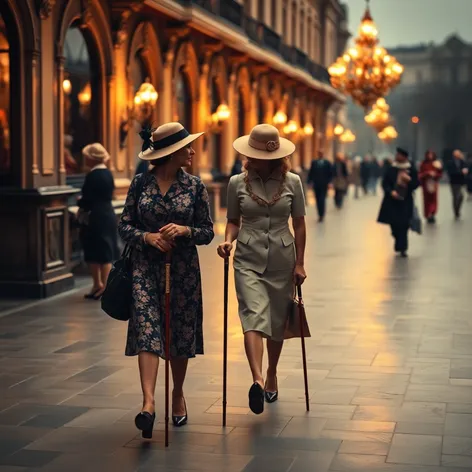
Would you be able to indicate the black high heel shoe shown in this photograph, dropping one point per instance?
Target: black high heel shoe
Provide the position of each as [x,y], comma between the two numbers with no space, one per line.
[144,421]
[91,295]
[256,398]
[181,420]
[271,397]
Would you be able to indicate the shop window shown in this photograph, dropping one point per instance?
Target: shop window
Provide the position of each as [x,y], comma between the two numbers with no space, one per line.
[81,101]
[5,140]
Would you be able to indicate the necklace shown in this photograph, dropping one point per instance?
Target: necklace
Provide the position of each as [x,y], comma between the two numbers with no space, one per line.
[260,201]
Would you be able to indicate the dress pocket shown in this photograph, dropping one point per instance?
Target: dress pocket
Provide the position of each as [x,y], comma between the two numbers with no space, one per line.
[244,237]
[287,239]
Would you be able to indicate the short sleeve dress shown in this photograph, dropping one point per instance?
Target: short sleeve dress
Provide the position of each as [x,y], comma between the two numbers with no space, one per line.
[264,259]
[186,203]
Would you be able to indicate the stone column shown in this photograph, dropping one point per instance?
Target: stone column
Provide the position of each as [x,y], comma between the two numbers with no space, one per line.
[204,165]
[230,125]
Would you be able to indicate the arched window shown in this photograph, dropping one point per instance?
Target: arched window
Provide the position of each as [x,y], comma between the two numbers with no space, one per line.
[215,144]
[5,137]
[81,99]
[184,99]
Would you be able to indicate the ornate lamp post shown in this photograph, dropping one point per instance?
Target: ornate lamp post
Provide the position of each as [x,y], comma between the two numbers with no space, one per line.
[366,71]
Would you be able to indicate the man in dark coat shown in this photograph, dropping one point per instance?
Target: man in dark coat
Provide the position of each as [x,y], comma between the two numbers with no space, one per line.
[366,174]
[457,170]
[320,176]
[399,184]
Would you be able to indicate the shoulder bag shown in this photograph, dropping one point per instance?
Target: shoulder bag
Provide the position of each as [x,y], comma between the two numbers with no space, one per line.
[117,299]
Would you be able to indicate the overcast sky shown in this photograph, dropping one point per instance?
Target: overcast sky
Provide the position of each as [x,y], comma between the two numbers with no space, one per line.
[406,22]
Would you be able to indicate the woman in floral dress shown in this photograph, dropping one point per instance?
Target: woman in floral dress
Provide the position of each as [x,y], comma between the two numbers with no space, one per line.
[166,210]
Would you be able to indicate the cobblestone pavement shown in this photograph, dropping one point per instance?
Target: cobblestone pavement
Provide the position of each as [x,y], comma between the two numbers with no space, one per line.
[390,369]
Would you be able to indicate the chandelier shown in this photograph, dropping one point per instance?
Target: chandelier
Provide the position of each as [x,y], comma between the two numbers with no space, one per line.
[366,71]
[388,134]
[347,137]
[379,116]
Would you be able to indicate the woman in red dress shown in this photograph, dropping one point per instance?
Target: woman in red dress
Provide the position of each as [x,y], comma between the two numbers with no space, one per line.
[430,174]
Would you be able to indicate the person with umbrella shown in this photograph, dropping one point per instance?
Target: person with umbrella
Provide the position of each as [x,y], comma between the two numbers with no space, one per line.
[268,260]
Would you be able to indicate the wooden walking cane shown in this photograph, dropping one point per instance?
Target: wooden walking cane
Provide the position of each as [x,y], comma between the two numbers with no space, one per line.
[167,347]
[225,337]
[301,312]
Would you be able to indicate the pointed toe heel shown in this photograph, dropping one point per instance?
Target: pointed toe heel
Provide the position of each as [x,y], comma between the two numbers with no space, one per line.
[271,397]
[144,421]
[180,420]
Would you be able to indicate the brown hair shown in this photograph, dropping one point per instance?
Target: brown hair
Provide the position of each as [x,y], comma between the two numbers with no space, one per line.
[283,165]
[428,152]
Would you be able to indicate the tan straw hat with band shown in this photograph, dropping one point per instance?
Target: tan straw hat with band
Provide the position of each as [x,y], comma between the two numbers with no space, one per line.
[165,140]
[264,142]
[96,151]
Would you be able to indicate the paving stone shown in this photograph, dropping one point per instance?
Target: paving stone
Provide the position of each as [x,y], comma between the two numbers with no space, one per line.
[435,429]
[458,424]
[365,447]
[415,449]
[457,446]
[457,461]
[33,459]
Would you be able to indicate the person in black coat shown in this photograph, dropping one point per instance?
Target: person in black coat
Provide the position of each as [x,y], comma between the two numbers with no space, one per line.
[399,184]
[457,170]
[99,232]
[366,174]
[320,176]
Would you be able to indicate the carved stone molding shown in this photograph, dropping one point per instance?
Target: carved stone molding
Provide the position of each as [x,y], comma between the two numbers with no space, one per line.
[44,8]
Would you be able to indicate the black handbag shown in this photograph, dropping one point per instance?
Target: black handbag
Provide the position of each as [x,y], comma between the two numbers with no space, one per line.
[117,299]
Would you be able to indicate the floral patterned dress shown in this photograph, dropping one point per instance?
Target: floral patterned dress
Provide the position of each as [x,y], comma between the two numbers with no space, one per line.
[186,203]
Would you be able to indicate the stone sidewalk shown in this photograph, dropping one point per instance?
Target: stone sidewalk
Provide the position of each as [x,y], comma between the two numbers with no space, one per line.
[390,369]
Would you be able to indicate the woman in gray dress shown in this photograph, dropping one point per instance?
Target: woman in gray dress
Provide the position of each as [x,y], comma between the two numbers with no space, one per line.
[166,210]
[269,260]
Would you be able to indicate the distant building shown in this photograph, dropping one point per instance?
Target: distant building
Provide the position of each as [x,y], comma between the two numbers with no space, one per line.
[437,88]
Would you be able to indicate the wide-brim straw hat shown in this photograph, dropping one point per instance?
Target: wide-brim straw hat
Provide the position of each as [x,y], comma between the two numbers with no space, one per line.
[166,140]
[264,142]
[96,151]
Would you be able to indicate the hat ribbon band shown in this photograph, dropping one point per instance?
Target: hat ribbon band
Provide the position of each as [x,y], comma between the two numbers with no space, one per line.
[170,140]
[264,146]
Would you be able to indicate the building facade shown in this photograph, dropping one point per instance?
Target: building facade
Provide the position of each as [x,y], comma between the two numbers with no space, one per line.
[70,72]
[431,106]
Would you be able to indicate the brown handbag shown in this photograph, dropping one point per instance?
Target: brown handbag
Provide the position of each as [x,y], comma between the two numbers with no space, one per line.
[297,324]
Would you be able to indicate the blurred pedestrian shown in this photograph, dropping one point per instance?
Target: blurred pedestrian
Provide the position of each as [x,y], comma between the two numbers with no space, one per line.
[166,210]
[269,260]
[356,175]
[366,173]
[97,219]
[386,164]
[469,175]
[375,174]
[399,184]
[457,171]
[237,165]
[320,176]
[430,173]
[340,179]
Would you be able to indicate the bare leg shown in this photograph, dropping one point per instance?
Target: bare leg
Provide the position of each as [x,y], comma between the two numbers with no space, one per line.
[254,353]
[148,367]
[104,272]
[274,348]
[96,277]
[179,370]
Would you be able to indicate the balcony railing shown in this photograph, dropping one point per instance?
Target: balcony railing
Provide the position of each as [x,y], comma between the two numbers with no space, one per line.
[261,34]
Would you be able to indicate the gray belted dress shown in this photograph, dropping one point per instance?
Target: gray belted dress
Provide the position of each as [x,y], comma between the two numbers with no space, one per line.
[264,259]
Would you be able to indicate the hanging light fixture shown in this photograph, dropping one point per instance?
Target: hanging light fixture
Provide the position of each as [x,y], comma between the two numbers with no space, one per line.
[338,130]
[85,95]
[308,129]
[347,137]
[280,118]
[388,134]
[366,71]
[379,116]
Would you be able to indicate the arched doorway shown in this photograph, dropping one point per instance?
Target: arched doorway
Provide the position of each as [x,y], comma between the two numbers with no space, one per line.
[82,97]
[5,100]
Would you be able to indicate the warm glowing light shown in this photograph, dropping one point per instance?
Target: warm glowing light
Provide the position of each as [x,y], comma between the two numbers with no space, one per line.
[291,127]
[338,130]
[388,134]
[308,129]
[415,120]
[347,137]
[85,96]
[67,86]
[280,118]
[366,71]
[379,116]
[222,112]
[146,95]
